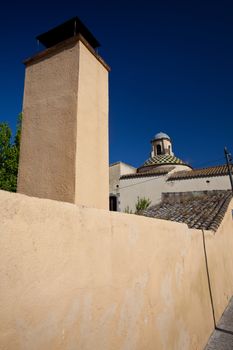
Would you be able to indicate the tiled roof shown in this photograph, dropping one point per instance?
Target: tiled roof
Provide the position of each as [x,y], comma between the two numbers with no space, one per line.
[163,159]
[154,172]
[200,210]
[219,170]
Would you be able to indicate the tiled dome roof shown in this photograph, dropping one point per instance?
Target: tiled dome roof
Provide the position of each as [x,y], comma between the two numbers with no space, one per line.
[163,159]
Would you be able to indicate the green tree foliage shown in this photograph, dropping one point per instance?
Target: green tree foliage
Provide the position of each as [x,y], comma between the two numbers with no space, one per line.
[142,204]
[9,156]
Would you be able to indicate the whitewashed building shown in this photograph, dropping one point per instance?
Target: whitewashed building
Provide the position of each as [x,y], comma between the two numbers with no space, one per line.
[163,172]
[116,170]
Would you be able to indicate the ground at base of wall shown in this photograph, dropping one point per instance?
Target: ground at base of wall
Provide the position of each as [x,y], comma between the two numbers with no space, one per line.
[222,337]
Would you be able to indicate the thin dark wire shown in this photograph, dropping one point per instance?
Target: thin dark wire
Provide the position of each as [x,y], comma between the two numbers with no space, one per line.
[208,279]
[138,183]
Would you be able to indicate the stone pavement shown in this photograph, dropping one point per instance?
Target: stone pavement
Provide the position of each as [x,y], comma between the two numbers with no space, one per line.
[222,337]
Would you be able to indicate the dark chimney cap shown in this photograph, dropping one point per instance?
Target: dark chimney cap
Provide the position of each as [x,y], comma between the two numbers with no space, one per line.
[65,31]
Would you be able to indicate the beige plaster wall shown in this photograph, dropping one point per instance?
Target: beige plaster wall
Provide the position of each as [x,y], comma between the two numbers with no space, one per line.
[92,177]
[81,278]
[64,144]
[48,142]
[219,248]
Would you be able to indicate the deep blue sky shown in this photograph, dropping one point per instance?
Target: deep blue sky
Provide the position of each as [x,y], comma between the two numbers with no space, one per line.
[172,70]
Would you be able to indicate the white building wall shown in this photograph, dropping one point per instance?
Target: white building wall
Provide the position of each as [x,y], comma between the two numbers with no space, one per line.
[114,174]
[153,187]
[199,184]
[116,170]
[176,167]
[149,187]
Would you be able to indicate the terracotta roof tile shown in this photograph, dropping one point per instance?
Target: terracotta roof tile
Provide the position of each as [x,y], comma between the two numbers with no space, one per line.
[219,170]
[155,172]
[200,210]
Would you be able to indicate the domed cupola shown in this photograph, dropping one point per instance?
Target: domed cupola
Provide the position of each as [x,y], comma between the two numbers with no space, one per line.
[161,144]
[161,155]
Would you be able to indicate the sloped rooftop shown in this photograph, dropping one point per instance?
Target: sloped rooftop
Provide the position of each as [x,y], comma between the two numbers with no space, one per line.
[218,170]
[200,210]
[154,172]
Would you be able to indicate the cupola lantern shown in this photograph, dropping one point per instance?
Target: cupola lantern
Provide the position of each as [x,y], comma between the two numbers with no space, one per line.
[161,144]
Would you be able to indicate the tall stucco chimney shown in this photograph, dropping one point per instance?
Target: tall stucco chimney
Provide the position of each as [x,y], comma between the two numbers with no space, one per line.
[64,142]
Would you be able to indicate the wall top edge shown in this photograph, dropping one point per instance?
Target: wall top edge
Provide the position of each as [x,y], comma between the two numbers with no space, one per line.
[60,46]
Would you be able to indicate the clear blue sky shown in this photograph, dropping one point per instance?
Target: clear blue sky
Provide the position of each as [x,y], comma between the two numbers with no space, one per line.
[172,70]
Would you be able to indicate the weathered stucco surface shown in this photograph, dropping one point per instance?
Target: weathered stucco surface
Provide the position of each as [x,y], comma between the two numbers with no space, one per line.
[64,144]
[80,278]
[92,176]
[48,144]
[219,247]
